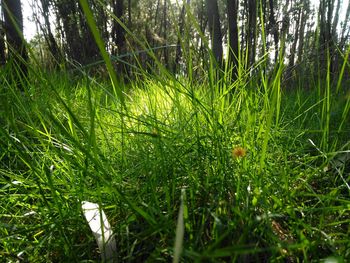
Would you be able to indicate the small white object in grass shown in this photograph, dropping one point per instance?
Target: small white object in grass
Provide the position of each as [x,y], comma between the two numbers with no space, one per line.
[249,188]
[332,260]
[318,149]
[67,148]
[16,182]
[101,229]
[52,168]
[16,139]
[63,146]
[19,255]
[29,213]
[180,230]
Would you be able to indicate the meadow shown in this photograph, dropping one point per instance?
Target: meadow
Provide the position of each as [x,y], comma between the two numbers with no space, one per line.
[260,173]
[187,168]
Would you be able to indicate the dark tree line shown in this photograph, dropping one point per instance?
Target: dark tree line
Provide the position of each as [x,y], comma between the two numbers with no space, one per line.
[11,39]
[239,32]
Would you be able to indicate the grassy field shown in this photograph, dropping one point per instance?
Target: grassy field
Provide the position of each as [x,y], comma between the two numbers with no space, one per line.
[258,173]
[187,168]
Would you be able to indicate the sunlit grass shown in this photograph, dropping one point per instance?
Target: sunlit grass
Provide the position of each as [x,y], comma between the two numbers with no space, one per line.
[75,145]
[185,169]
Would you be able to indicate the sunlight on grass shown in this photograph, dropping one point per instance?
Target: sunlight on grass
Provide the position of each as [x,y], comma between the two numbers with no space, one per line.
[185,169]
[173,137]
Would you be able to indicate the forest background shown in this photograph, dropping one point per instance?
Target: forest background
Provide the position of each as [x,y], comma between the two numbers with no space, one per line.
[300,29]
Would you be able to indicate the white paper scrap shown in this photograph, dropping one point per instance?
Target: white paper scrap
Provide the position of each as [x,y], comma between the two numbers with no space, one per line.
[101,229]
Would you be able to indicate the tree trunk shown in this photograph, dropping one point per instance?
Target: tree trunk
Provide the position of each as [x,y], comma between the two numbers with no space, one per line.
[13,24]
[232,14]
[326,43]
[68,17]
[203,18]
[49,38]
[336,19]
[334,35]
[129,14]
[274,28]
[179,39]
[295,41]
[165,29]
[251,32]
[345,27]
[285,28]
[215,29]
[118,36]
[304,12]
[89,51]
[2,43]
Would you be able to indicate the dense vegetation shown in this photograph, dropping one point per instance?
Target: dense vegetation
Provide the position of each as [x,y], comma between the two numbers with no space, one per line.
[244,159]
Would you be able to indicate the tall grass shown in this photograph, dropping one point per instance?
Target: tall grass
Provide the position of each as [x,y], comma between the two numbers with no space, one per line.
[188,170]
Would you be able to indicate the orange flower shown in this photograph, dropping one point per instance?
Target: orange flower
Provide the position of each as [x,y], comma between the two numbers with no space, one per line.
[238,152]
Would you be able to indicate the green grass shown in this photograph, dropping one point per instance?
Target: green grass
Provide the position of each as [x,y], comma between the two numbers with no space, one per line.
[285,199]
[163,147]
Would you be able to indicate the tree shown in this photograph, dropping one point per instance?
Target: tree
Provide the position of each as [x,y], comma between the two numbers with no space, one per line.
[68,26]
[78,44]
[251,31]
[47,31]
[289,30]
[286,11]
[232,15]
[13,26]
[179,38]
[345,27]
[165,30]
[215,29]
[305,6]
[118,36]
[2,43]
[298,15]
[273,26]
[326,38]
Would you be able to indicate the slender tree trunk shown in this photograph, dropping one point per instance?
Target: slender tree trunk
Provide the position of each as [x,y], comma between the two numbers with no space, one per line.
[88,45]
[215,29]
[202,25]
[2,43]
[326,42]
[156,15]
[305,8]
[334,35]
[284,28]
[118,36]
[295,41]
[129,14]
[118,33]
[68,18]
[345,27]
[336,19]
[47,32]
[179,38]
[165,29]
[251,36]
[13,24]
[243,40]
[232,14]
[274,28]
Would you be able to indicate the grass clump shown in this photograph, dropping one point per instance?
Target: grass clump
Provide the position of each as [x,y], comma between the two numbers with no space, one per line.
[253,187]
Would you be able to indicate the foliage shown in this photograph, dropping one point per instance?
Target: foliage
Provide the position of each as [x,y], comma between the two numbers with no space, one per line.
[194,166]
[283,197]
